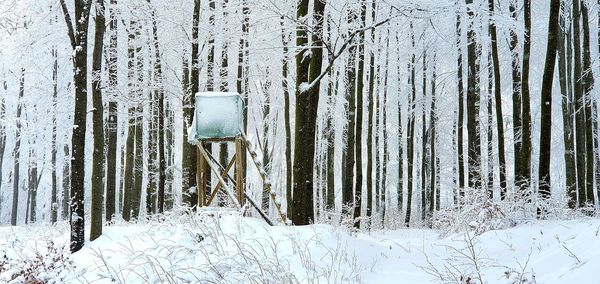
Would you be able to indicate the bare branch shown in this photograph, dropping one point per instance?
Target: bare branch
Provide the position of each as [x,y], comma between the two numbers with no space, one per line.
[69,23]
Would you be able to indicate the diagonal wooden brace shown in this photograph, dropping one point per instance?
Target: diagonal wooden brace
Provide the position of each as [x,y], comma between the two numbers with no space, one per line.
[220,178]
[218,187]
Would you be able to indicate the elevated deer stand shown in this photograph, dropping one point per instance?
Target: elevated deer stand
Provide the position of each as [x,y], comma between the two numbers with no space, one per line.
[218,119]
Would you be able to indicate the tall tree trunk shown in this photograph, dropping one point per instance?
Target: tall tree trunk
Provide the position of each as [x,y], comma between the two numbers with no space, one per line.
[266,112]
[579,105]
[190,195]
[490,131]
[98,124]
[516,96]
[54,150]
[129,153]
[567,113]
[307,101]
[139,128]
[348,188]
[3,131]
[525,153]
[360,86]
[473,100]
[433,193]
[224,86]
[546,100]
[588,85]
[370,116]
[286,118]
[242,78]
[461,109]
[424,142]
[78,37]
[384,141]
[161,116]
[17,151]
[112,120]
[498,102]
[411,130]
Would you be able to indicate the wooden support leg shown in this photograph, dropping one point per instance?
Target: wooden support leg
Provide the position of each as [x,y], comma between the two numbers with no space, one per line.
[239,169]
[201,178]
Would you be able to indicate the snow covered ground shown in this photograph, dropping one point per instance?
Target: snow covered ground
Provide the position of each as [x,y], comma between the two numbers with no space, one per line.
[225,248]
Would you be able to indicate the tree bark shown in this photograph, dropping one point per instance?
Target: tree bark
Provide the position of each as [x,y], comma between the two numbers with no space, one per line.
[360,86]
[579,105]
[286,118]
[516,96]
[53,195]
[411,130]
[546,100]
[78,37]
[190,196]
[17,151]
[524,169]
[588,85]
[98,125]
[567,109]
[473,100]
[348,188]
[498,102]
[112,120]
[307,101]
[370,117]
[461,109]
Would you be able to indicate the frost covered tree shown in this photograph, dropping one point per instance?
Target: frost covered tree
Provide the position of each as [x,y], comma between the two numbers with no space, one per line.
[78,36]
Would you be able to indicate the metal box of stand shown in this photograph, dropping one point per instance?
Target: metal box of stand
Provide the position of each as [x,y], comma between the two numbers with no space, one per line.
[218,115]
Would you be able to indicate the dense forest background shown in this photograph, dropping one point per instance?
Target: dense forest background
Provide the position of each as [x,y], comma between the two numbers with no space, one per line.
[377,113]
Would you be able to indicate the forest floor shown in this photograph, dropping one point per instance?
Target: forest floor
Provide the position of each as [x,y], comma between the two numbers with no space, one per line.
[226,248]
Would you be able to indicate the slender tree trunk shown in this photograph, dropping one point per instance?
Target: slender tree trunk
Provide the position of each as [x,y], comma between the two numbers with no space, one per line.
[411,130]
[546,100]
[138,162]
[3,131]
[370,117]
[190,195]
[490,130]
[433,194]
[579,105]
[32,184]
[424,142]
[286,117]
[266,140]
[360,86]
[129,153]
[567,114]
[588,85]
[98,125]
[17,151]
[461,109]
[112,120]
[160,117]
[53,198]
[348,189]
[473,100]
[224,86]
[516,96]
[66,182]
[525,153]
[78,37]
[498,102]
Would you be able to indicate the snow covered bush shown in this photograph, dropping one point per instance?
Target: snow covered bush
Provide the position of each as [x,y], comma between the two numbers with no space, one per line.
[47,265]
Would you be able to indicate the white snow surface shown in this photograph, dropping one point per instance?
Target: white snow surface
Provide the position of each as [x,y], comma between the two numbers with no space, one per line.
[221,247]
